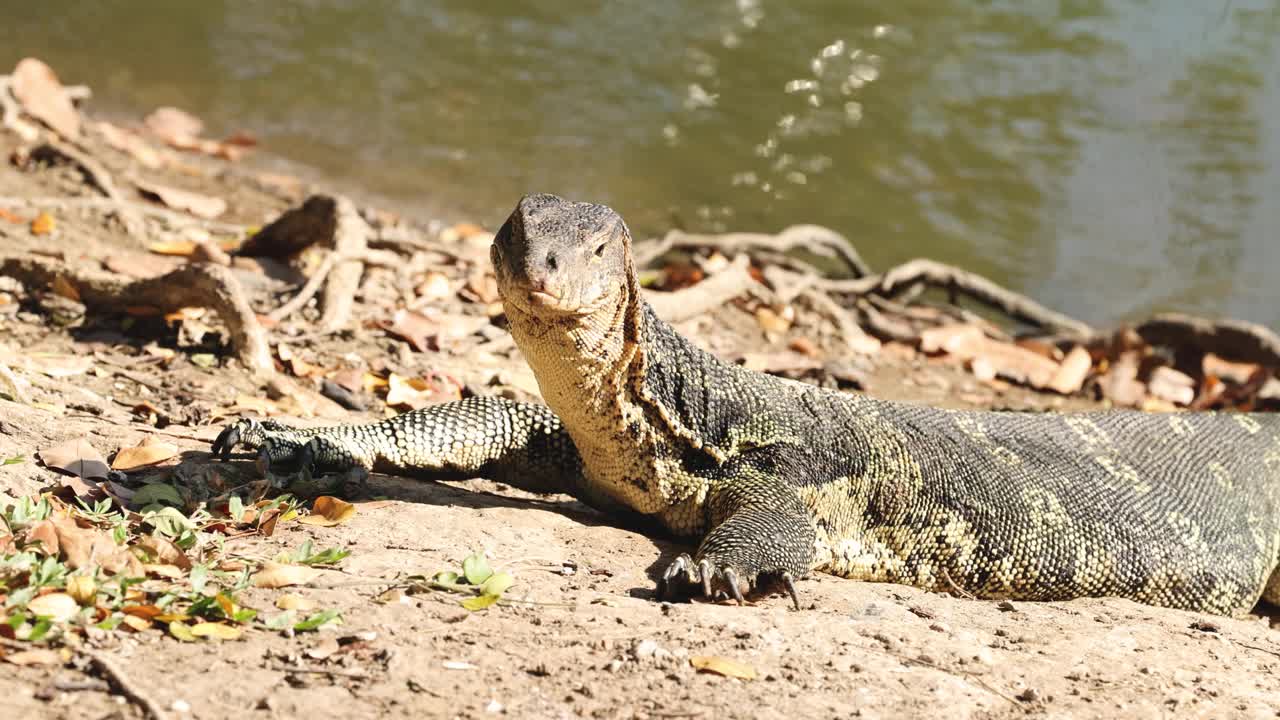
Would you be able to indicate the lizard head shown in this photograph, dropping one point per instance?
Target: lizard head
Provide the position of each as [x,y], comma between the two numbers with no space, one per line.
[555,259]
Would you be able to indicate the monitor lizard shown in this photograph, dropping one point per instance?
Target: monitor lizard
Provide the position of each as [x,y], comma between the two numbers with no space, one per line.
[776,479]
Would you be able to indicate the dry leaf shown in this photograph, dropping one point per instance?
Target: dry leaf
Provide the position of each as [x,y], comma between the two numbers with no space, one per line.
[135,623]
[419,392]
[174,126]
[215,631]
[329,511]
[261,406]
[144,455]
[1071,374]
[76,457]
[44,534]
[38,656]
[180,248]
[277,575]
[43,224]
[10,216]
[163,550]
[723,666]
[59,607]
[166,571]
[80,547]
[36,87]
[82,588]
[323,648]
[289,601]
[205,206]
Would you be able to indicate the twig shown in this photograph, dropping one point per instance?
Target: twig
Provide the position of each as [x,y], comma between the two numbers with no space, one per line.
[321,671]
[308,290]
[128,688]
[203,285]
[811,238]
[958,590]
[712,292]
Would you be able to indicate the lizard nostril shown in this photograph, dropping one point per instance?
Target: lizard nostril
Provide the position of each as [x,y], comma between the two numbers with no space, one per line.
[551,261]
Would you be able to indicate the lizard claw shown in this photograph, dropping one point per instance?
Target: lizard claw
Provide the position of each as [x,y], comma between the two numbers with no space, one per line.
[705,573]
[226,442]
[790,584]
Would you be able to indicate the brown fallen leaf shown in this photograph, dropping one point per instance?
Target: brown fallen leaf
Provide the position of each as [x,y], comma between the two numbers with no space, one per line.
[82,547]
[205,206]
[290,601]
[277,575]
[174,126]
[162,550]
[43,224]
[329,511]
[76,457]
[150,452]
[261,406]
[44,537]
[723,666]
[36,87]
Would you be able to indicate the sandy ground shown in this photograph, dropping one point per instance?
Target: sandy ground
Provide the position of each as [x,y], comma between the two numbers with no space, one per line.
[586,636]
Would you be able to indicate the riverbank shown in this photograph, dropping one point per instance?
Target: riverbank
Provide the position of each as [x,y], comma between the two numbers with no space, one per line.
[98,347]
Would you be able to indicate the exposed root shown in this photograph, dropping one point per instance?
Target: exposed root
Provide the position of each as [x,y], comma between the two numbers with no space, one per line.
[709,294]
[810,238]
[96,175]
[1236,339]
[130,689]
[350,244]
[202,285]
[963,282]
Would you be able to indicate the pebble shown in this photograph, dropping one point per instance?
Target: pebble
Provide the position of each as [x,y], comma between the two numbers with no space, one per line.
[181,706]
[1029,695]
[644,649]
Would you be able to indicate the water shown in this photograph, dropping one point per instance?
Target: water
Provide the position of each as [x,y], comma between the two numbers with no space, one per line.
[1109,157]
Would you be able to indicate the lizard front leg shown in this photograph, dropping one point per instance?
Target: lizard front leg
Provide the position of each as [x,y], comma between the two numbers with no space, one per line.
[758,528]
[520,444]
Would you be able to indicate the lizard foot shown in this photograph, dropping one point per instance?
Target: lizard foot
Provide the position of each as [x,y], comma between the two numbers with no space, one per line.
[712,576]
[283,446]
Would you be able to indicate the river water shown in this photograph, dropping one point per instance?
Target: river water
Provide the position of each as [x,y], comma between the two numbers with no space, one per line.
[1109,157]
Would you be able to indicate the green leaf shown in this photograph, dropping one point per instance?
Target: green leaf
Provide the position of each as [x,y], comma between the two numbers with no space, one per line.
[244,615]
[12,460]
[40,630]
[168,521]
[181,631]
[476,569]
[199,578]
[497,584]
[282,621]
[315,620]
[161,493]
[204,360]
[479,602]
[448,577]
[325,557]
[235,506]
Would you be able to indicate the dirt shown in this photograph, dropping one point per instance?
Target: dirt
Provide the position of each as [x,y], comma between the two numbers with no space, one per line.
[583,634]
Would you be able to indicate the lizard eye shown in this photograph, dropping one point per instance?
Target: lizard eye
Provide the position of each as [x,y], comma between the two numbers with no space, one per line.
[600,250]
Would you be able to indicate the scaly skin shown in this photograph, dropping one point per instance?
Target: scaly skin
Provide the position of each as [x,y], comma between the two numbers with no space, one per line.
[777,479]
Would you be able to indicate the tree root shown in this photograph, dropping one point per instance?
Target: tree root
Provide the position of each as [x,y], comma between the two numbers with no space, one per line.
[350,244]
[54,151]
[1235,339]
[956,281]
[197,284]
[709,294]
[810,238]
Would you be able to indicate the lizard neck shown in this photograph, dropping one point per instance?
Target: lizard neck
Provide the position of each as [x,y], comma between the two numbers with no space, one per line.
[581,363]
